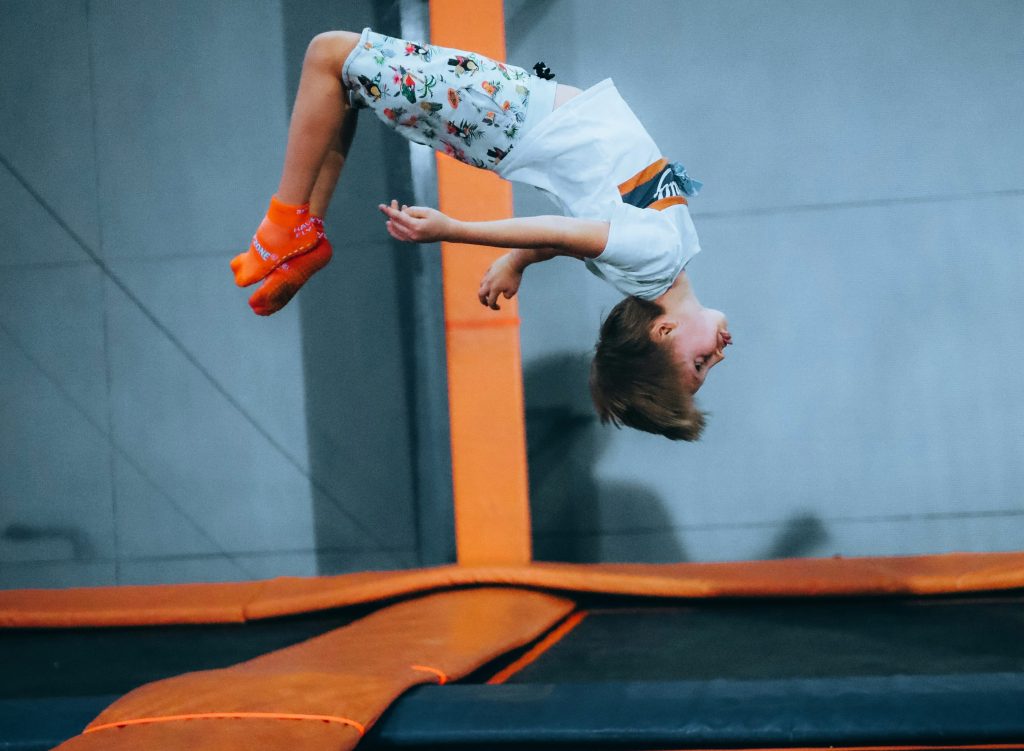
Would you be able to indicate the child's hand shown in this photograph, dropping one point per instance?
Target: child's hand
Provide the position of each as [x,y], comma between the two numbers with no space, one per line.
[416,224]
[503,278]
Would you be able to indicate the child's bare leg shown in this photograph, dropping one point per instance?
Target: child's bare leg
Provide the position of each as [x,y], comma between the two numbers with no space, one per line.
[334,162]
[320,110]
[283,282]
[564,93]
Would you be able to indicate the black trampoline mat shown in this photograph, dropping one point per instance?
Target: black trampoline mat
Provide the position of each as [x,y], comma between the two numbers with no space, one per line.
[792,638]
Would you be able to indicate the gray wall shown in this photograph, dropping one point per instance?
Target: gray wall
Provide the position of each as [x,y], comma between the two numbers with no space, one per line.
[863,228]
[151,427]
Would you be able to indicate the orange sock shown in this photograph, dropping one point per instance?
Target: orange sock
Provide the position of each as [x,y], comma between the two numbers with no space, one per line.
[283,282]
[285,232]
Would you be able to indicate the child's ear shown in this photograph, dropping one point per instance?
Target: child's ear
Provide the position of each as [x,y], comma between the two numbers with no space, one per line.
[662,328]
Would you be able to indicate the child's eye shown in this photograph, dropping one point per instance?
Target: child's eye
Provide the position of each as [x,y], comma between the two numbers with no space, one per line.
[699,364]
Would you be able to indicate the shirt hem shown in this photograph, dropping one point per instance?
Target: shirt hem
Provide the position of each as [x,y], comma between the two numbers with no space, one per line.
[551,121]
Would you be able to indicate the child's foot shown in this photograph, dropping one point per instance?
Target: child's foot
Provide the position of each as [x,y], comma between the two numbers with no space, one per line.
[284,233]
[283,282]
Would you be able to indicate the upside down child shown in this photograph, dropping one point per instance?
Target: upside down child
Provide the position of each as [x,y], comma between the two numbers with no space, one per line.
[624,205]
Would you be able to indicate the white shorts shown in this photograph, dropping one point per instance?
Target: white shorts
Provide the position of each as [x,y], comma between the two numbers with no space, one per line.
[460,103]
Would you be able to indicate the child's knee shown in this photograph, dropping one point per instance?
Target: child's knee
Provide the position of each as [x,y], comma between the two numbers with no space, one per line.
[330,49]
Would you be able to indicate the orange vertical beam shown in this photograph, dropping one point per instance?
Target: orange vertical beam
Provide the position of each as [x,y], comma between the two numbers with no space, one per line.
[485,389]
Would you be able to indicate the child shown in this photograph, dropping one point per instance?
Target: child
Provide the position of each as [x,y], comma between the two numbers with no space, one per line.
[625,205]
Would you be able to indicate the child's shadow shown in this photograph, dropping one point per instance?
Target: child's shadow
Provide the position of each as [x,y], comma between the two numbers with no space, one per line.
[577,516]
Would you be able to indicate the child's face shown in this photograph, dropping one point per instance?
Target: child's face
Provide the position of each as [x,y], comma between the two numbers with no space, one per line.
[698,344]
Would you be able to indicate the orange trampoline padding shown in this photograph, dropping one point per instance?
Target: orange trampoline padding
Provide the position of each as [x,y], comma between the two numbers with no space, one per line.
[235,602]
[485,402]
[149,605]
[325,693]
[485,391]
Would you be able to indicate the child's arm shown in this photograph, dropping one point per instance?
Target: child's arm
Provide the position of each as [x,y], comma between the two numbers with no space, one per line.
[506,274]
[557,235]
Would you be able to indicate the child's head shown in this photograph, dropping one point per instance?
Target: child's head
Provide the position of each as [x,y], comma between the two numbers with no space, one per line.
[650,362]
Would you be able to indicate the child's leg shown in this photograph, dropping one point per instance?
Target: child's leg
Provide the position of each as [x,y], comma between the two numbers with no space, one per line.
[284,281]
[320,108]
[330,170]
[321,105]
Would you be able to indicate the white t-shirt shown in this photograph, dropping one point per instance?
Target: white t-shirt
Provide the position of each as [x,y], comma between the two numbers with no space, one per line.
[581,155]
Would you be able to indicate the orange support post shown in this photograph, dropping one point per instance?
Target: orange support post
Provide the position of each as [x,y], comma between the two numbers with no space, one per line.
[485,390]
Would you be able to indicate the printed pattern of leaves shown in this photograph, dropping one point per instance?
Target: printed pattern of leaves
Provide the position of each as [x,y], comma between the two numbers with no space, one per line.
[461,103]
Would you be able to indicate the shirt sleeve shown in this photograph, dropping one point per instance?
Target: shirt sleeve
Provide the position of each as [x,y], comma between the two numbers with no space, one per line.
[644,254]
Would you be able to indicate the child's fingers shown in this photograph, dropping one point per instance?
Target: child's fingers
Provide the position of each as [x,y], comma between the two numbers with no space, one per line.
[390,209]
[398,225]
[403,225]
[402,218]
[405,219]
[393,205]
[486,284]
[395,232]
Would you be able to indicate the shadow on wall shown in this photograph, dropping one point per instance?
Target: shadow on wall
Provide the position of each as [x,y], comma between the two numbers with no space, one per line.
[76,541]
[353,364]
[570,504]
[801,535]
[565,444]
[373,349]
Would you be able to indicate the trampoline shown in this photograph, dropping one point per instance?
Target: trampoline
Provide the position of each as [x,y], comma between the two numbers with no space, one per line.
[593,670]
[739,674]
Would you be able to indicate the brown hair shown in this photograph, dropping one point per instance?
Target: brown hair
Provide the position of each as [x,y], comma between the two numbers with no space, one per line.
[635,381]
